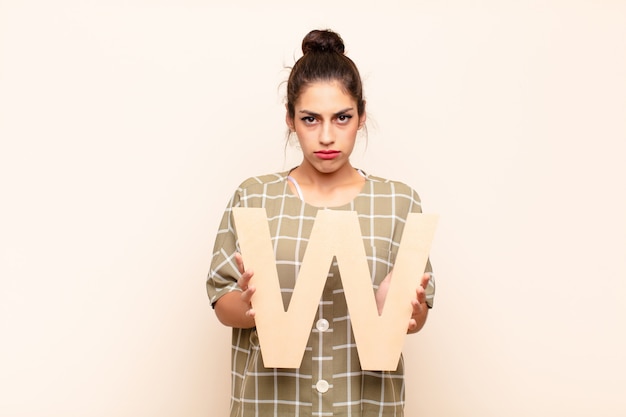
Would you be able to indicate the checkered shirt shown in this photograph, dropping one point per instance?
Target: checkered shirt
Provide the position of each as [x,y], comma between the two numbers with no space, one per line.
[330,381]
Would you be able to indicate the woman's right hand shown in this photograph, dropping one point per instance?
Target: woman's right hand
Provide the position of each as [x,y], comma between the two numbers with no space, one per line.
[234,309]
[247,290]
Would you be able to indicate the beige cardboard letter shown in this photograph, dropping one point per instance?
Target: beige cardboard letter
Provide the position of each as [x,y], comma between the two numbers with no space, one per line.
[283,334]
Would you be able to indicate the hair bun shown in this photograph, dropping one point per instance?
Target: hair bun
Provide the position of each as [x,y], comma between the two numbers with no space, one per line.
[322,41]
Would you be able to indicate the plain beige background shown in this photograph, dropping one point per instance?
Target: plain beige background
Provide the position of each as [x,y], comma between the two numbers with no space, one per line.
[125,127]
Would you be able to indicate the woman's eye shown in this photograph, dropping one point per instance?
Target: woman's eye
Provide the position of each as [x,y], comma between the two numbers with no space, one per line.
[344,118]
[308,119]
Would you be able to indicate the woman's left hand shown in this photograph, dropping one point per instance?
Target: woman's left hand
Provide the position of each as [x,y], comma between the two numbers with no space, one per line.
[420,308]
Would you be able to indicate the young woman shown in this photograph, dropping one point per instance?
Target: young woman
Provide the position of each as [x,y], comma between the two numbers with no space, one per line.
[325,109]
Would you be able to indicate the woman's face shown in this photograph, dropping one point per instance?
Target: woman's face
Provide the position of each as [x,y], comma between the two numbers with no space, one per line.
[326,122]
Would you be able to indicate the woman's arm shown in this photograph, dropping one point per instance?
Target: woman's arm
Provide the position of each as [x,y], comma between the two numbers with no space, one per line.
[234,309]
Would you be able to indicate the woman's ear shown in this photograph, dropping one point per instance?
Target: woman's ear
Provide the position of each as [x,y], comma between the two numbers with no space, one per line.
[363,117]
[289,120]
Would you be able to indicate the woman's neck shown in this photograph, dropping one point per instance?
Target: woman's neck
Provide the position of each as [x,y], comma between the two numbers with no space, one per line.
[328,189]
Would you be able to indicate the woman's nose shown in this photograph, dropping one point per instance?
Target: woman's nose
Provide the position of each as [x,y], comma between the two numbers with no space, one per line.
[326,135]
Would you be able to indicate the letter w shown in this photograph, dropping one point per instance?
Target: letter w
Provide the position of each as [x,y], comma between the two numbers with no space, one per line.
[283,334]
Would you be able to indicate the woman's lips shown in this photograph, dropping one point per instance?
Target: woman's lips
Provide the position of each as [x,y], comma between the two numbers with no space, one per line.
[327,154]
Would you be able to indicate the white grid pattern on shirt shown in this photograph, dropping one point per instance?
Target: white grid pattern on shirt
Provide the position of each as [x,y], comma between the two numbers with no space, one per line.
[382,207]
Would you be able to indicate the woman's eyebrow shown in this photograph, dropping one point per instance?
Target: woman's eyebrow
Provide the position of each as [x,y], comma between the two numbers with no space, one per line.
[312,113]
[309,112]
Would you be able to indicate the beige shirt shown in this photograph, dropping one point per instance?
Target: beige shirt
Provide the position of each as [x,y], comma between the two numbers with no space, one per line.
[330,381]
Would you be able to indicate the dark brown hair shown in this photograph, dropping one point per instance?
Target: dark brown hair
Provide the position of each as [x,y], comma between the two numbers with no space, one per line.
[324,60]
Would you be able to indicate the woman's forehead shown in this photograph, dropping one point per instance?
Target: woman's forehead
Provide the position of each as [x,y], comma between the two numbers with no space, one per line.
[325,95]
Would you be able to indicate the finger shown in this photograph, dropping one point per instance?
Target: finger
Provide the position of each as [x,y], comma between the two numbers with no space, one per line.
[420,294]
[251,313]
[247,294]
[412,326]
[239,261]
[425,279]
[418,307]
[244,281]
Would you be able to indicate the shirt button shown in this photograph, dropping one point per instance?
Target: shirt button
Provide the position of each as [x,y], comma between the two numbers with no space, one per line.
[322,386]
[322,325]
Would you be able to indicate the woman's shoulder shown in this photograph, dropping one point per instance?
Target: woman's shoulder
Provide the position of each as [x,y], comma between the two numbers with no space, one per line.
[262,181]
[389,186]
[256,191]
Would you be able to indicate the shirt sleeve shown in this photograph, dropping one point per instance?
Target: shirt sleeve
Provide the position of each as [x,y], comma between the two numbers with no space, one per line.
[223,273]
